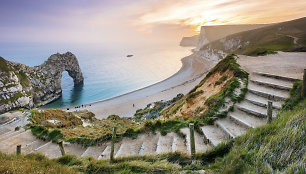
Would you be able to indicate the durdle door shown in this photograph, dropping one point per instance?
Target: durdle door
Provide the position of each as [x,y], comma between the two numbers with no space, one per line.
[26,87]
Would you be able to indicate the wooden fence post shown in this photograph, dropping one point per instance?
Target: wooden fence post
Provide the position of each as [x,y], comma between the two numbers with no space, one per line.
[269,111]
[62,148]
[18,150]
[192,142]
[111,158]
[304,85]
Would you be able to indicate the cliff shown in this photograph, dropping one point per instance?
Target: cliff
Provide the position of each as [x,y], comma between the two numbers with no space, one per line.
[25,87]
[209,34]
[189,41]
[285,36]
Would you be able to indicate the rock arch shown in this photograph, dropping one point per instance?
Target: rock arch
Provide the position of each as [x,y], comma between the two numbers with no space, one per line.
[25,87]
[57,63]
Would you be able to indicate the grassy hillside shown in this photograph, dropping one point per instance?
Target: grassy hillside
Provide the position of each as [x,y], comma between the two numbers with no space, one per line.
[277,37]
[278,147]
[207,99]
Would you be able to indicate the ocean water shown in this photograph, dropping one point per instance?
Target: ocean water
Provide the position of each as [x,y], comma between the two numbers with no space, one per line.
[108,72]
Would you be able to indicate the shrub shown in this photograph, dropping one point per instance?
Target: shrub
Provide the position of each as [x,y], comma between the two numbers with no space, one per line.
[69,160]
[55,135]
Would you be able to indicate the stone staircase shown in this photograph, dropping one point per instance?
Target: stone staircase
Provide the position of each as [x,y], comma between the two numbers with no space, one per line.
[249,113]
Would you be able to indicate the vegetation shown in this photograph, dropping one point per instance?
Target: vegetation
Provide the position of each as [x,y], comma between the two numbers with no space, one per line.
[4,67]
[278,147]
[221,80]
[295,94]
[57,125]
[193,94]
[13,98]
[32,163]
[217,101]
[23,78]
[153,110]
[228,63]
[278,37]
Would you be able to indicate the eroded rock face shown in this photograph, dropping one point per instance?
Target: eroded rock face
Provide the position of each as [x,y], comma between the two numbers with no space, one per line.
[24,87]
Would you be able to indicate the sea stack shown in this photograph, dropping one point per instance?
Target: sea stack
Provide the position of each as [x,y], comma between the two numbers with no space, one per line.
[26,87]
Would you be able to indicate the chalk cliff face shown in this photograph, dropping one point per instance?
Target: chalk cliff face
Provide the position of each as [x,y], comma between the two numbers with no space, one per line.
[189,41]
[212,33]
[25,87]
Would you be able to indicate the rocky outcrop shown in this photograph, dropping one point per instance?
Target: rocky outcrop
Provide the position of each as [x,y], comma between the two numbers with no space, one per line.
[25,87]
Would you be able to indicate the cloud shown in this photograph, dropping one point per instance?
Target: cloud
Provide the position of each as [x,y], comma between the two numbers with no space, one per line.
[216,12]
[132,20]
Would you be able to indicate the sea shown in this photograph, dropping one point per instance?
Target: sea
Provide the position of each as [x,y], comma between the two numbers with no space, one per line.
[108,71]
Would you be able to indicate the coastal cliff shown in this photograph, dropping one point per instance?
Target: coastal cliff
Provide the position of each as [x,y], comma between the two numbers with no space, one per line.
[22,86]
[242,39]
[189,41]
[209,34]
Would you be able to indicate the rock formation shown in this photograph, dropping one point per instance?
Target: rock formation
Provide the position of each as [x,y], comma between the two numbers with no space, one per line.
[25,87]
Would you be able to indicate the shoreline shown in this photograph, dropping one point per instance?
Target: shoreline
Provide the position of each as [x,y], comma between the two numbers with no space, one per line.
[190,73]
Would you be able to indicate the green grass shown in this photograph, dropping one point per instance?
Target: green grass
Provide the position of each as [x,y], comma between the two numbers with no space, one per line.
[4,66]
[266,40]
[272,148]
[221,80]
[70,126]
[193,95]
[295,94]
[32,163]
[228,63]
[278,147]
[23,78]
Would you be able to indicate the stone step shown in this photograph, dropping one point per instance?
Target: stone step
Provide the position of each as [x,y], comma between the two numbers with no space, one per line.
[130,147]
[106,153]
[246,120]
[179,144]
[50,150]
[231,128]
[164,144]
[269,93]
[149,146]
[74,149]
[94,151]
[214,135]
[252,109]
[24,138]
[271,82]
[261,101]
[255,110]
[289,79]
[11,134]
[4,130]
[200,146]
[30,147]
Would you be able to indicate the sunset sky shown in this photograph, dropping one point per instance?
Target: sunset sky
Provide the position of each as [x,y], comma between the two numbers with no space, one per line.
[97,21]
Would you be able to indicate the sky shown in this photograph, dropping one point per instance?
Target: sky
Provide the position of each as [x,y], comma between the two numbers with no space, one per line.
[131,21]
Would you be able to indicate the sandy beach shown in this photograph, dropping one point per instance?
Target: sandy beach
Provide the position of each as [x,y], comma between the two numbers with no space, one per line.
[193,70]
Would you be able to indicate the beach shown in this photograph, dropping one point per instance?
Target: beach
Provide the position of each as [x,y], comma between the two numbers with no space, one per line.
[193,70]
